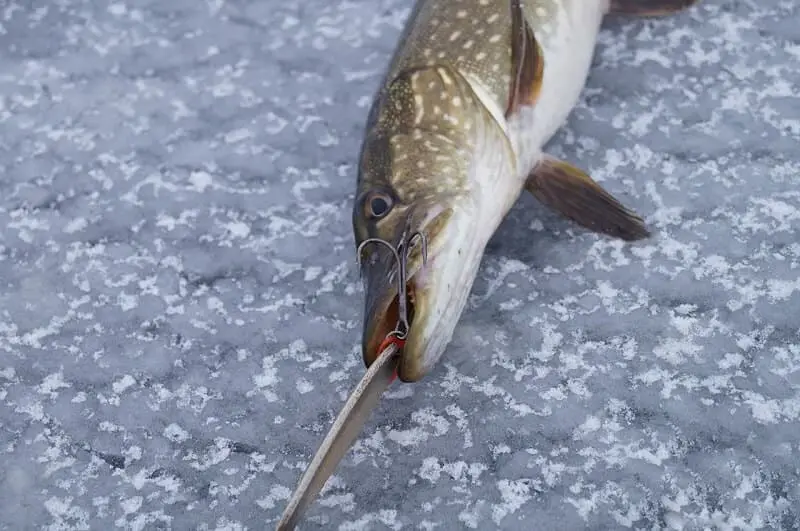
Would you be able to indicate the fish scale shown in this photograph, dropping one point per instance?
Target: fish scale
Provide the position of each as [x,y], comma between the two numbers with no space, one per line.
[471,36]
[424,134]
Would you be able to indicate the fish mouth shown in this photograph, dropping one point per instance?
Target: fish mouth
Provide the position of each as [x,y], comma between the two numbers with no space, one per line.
[382,302]
[384,318]
[382,308]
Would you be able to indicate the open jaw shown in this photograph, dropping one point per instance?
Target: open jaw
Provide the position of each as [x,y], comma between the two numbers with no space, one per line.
[382,310]
[382,305]
[385,319]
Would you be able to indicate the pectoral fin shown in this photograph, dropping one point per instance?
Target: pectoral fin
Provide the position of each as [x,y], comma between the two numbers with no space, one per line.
[571,192]
[649,7]
[527,62]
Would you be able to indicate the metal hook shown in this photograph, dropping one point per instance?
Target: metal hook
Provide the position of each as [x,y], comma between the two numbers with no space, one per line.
[419,236]
[403,253]
[375,240]
[400,255]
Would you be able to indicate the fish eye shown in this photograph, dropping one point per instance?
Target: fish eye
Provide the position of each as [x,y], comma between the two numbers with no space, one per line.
[378,204]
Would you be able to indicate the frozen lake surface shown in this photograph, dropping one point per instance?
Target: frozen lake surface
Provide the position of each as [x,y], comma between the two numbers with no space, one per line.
[180,309]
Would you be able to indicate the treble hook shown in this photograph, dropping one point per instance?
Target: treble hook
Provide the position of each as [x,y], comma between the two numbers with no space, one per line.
[400,255]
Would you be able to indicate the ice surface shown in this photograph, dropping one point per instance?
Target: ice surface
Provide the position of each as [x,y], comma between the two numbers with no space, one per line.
[180,308]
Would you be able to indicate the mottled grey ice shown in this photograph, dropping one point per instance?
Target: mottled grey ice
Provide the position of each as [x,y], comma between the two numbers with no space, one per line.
[180,307]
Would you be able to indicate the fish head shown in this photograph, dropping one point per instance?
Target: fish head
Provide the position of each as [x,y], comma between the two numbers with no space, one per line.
[414,185]
[430,157]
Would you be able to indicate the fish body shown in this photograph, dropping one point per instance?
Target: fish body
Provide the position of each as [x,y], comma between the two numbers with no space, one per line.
[473,92]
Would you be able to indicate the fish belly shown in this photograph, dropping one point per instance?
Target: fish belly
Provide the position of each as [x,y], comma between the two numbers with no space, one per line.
[567,37]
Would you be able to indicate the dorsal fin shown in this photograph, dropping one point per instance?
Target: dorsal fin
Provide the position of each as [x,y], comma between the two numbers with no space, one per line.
[527,61]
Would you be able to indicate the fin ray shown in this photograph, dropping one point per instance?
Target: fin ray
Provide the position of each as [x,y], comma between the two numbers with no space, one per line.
[572,193]
[527,62]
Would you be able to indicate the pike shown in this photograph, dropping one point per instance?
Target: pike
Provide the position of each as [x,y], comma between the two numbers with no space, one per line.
[456,132]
